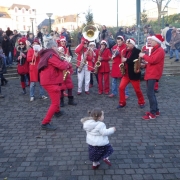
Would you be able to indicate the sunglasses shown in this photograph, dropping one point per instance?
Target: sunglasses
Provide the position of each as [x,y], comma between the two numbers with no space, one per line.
[63,41]
[103,44]
[21,44]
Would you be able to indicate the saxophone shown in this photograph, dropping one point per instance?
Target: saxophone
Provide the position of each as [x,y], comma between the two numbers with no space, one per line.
[98,63]
[137,65]
[114,54]
[122,65]
[83,61]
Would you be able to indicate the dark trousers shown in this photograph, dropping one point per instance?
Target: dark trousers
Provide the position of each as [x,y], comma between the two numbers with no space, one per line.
[23,85]
[91,78]
[151,96]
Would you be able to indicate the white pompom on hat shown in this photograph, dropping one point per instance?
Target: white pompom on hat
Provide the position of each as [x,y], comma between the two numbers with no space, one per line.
[132,41]
[103,41]
[157,37]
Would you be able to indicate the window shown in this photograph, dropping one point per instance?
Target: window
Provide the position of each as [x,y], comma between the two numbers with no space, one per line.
[24,27]
[62,20]
[29,11]
[22,10]
[16,18]
[24,19]
[15,9]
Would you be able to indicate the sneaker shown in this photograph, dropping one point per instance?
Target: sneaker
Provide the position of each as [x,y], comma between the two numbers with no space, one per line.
[95,167]
[1,96]
[119,106]
[141,106]
[99,93]
[58,114]
[149,116]
[87,92]
[44,97]
[156,91]
[111,95]
[79,93]
[48,127]
[157,113]
[107,161]
[176,60]
[32,99]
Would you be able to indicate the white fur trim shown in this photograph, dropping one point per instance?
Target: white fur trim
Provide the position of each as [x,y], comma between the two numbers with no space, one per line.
[131,41]
[120,37]
[103,41]
[155,39]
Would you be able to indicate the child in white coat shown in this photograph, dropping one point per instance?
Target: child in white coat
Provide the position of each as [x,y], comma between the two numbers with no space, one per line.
[97,137]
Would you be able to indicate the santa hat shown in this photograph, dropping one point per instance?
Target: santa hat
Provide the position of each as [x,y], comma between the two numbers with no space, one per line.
[103,41]
[36,41]
[22,40]
[120,37]
[92,43]
[62,38]
[157,37]
[132,41]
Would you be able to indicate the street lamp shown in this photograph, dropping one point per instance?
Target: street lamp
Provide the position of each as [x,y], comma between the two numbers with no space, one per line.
[32,24]
[49,15]
[162,14]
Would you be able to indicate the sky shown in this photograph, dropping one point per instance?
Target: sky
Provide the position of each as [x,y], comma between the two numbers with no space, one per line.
[104,11]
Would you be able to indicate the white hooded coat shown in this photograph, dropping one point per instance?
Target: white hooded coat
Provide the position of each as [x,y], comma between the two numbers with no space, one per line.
[97,134]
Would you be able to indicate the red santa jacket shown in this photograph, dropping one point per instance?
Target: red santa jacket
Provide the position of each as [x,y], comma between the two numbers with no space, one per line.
[106,57]
[154,68]
[80,51]
[33,64]
[53,73]
[115,71]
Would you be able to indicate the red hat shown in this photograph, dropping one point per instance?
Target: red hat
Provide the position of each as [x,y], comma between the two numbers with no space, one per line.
[22,40]
[58,41]
[62,38]
[85,40]
[157,37]
[36,40]
[132,41]
[103,41]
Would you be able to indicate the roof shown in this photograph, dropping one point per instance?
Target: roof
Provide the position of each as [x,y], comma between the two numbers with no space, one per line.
[4,15]
[19,6]
[68,18]
[45,22]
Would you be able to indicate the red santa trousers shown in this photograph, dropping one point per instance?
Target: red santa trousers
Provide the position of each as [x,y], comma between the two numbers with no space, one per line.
[136,85]
[104,76]
[54,94]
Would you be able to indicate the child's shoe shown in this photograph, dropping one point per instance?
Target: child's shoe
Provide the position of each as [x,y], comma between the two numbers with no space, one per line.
[95,165]
[107,161]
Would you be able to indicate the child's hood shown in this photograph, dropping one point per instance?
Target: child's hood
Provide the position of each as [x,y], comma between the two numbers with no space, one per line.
[89,123]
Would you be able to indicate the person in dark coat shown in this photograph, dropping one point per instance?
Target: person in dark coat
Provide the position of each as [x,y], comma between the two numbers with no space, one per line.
[120,33]
[8,32]
[6,48]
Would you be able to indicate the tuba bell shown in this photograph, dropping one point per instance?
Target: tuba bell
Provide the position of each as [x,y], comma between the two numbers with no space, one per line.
[90,32]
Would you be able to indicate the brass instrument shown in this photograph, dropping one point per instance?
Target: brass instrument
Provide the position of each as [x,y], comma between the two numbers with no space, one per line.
[122,65]
[114,54]
[122,68]
[65,73]
[137,65]
[90,32]
[98,63]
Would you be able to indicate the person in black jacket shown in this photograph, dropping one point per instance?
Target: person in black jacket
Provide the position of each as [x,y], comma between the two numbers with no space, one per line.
[129,54]
[6,48]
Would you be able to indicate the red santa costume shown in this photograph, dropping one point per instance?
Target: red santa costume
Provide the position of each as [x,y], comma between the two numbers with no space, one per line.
[147,49]
[129,55]
[104,55]
[116,61]
[33,58]
[23,65]
[67,81]
[84,64]
[154,70]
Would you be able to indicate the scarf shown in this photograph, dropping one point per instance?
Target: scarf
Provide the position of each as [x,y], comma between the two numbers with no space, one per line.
[44,57]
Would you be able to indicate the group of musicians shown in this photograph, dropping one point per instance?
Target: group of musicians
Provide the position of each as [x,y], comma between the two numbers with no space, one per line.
[55,70]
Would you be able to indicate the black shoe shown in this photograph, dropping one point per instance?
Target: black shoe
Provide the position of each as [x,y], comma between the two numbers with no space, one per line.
[24,92]
[5,82]
[71,101]
[58,114]
[62,102]
[48,127]
[1,96]
[156,91]
[170,57]
[176,60]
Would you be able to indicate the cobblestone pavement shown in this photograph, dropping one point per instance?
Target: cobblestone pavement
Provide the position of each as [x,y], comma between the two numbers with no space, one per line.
[142,149]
